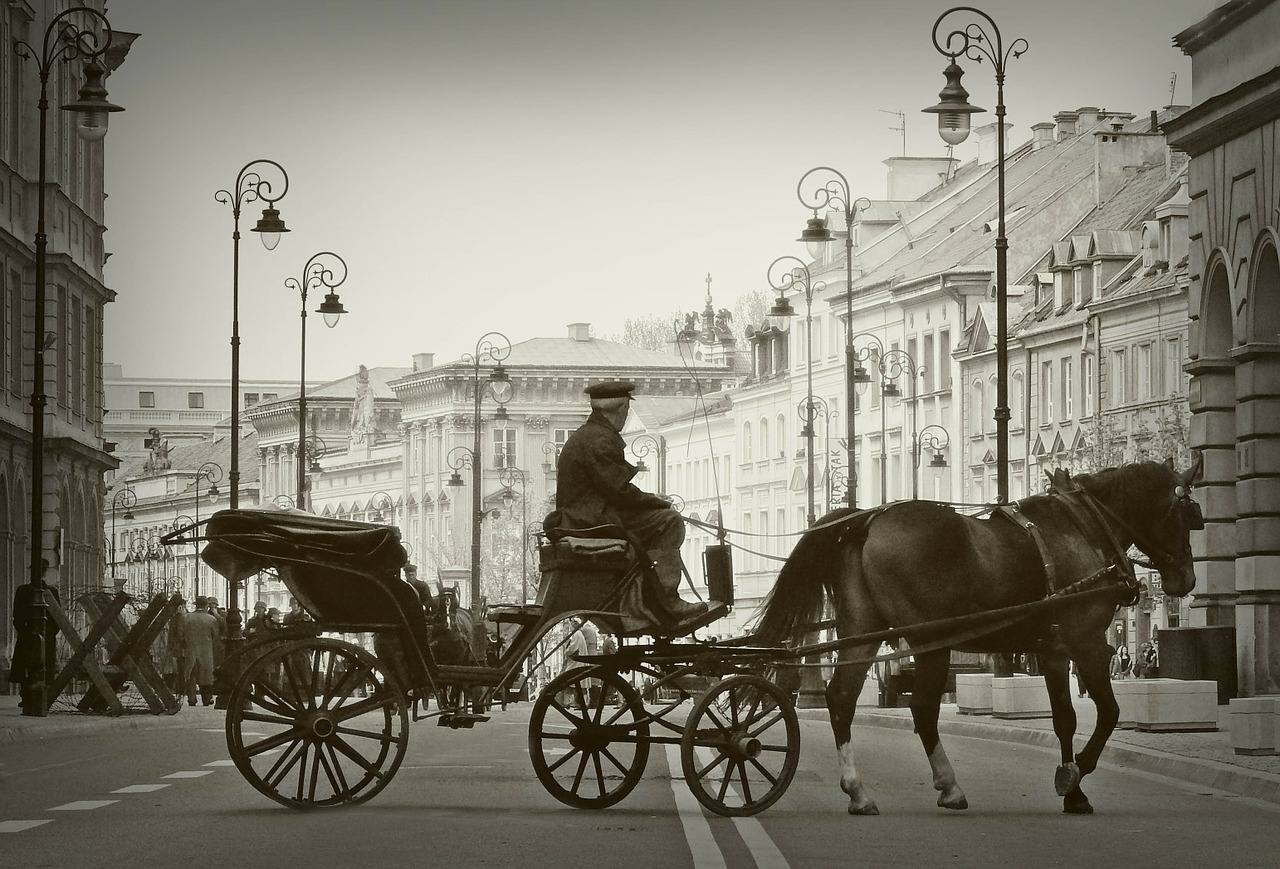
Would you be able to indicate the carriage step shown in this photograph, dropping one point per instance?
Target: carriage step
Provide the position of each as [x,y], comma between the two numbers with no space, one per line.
[460,720]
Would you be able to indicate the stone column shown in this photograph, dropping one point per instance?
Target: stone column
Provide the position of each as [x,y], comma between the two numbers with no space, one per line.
[1257,605]
[1213,432]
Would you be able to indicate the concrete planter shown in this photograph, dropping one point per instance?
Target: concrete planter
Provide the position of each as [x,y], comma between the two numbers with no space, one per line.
[973,693]
[1126,691]
[1019,697]
[1255,725]
[1175,704]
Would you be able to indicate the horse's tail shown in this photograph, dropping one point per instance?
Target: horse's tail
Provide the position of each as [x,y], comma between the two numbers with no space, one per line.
[797,599]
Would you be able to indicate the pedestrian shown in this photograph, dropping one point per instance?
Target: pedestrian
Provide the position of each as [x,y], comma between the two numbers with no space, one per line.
[576,648]
[1121,663]
[220,619]
[1147,666]
[26,647]
[258,623]
[609,646]
[199,637]
[296,613]
[1075,671]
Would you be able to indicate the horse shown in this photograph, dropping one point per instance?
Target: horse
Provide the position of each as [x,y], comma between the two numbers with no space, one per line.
[978,580]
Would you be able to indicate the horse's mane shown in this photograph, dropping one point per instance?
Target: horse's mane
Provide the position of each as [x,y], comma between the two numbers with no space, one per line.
[1130,489]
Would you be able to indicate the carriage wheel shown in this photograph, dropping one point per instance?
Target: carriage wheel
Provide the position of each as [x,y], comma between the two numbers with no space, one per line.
[588,750]
[741,746]
[317,722]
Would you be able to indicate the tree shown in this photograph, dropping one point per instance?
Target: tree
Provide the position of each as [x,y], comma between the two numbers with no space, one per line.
[652,332]
[750,309]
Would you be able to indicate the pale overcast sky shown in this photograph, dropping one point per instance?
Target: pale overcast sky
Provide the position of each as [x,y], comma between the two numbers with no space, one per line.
[521,164]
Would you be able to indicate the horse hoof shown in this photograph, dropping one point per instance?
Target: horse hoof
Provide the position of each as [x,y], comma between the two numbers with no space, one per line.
[956,803]
[1066,779]
[1085,808]
[868,808]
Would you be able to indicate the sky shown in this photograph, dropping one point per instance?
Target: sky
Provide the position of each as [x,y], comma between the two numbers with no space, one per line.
[518,165]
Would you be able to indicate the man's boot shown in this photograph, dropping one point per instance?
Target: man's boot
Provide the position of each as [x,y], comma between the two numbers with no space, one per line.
[683,615]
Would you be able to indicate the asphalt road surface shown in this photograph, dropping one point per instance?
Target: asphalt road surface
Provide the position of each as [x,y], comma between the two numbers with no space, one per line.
[170,797]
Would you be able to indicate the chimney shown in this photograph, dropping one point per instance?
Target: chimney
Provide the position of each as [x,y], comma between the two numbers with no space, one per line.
[987,142]
[1118,155]
[1066,122]
[1041,135]
[913,177]
[1088,117]
[579,331]
[423,361]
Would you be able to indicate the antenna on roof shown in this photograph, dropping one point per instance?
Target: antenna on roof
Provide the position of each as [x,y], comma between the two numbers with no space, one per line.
[902,127]
[1173,86]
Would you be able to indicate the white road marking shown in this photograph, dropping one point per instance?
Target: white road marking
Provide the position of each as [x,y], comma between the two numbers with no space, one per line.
[697,832]
[227,762]
[82,805]
[139,789]
[19,826]
[189,773]
[762,848]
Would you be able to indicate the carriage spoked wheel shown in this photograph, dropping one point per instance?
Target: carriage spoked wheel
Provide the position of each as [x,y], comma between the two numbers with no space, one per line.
[317,722]
[588,738]
[740,746]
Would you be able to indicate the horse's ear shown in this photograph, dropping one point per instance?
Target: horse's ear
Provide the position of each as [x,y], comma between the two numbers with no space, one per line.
[1196,471]
[1168,463]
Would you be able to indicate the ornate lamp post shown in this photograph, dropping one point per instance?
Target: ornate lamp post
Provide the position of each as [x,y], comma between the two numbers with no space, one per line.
[283,501]
[789,273]
[809,409]
[890,364]
[211,471]
[833,192]
[380,503]
[646,444]
[180,523]
[510,478]
[73,33]
[552,453]
[933,437]
[953,111]
[127,499]
[493,347]
[327,270]
[250,185]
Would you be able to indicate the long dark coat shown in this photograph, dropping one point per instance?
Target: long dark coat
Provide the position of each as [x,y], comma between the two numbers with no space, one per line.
[593,480]
[199,638]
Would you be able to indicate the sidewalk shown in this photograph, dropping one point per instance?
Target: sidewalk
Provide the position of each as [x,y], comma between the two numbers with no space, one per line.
[1204,758]
[62,721]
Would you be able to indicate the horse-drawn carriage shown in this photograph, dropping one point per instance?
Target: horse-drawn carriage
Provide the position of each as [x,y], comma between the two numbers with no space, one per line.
[318,721]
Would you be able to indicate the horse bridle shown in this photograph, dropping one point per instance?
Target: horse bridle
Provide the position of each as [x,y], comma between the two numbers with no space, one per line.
[1159,555]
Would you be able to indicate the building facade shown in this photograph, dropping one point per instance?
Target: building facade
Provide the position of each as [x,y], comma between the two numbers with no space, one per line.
[75,294]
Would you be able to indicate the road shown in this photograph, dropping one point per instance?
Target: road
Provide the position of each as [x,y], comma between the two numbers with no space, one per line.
[170,797]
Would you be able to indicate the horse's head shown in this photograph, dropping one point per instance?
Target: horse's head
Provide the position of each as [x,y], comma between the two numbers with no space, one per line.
[1153,504]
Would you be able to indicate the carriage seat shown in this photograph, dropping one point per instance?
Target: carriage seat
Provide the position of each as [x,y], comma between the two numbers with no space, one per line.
[601,547]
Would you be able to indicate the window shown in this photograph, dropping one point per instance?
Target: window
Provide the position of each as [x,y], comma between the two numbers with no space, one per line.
[250,399]
[1046,392]
[975,407]
[927,382]
[1144,386]
[944,358]
[745,451]
[270,396]
[763,439]
[1068,390]
[780,432]
[146,399]
[88,356]
[1174,380]
[504,448]
[1015,400]
[1086,369]
[195,400]
[1116,386]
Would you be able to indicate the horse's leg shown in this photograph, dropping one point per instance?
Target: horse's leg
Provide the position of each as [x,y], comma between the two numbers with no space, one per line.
[926,698]
[1094,663]
[842,700]
[1056,668]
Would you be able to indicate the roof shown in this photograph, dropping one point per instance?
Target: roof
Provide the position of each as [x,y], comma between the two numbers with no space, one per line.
[591,353]
[345,387]
[190,456]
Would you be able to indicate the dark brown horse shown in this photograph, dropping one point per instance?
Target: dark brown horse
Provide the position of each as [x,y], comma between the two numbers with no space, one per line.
[919,562]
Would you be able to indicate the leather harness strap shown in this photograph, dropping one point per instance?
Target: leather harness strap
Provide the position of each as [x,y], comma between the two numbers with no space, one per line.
[1011,512]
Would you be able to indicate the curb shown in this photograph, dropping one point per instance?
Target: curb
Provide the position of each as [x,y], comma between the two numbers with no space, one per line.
[81,724]
[1208,773]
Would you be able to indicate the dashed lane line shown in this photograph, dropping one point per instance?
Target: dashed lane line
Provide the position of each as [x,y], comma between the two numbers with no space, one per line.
[82,805]
[139,789]
[697,832]
[19,826]
[189,773]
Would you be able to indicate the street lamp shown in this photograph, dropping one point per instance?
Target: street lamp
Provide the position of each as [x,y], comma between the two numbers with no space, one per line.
[211,471]
[890,365]
[250,185]
[283,501]
[510,478]
[552,453]
[809,409]
[646,444]
[318,272]
[180,524]
[790,273]
[953,111]
[933,437]
[64,40]
[833,192]
[379,503]
[493,347]
[127,499]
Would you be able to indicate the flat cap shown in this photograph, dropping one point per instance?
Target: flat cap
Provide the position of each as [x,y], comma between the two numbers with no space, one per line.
[611,389]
